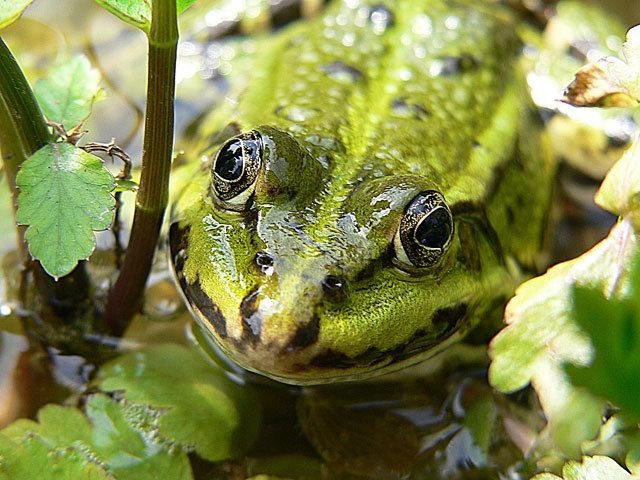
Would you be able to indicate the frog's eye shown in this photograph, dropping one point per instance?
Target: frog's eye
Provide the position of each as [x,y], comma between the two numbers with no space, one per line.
[235,170]
[425,231]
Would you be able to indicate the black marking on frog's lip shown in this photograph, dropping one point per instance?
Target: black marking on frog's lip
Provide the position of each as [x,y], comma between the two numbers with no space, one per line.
[451,318]
[197,298]
[305,336]
[251,319]
[201,301]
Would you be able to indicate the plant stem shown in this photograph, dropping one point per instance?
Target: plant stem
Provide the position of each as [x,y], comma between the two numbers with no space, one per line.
[153,194]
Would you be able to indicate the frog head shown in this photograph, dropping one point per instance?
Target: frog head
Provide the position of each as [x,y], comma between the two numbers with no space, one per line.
[304,274]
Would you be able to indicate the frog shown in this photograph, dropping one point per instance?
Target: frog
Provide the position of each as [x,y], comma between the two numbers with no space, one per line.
[368,192]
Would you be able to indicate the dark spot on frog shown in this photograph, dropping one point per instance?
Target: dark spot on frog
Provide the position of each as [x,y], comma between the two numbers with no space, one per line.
[403,108]
[305,335]
[510,215]
[448,319]
[468,255]
[200,300]
[264,262]
[452,65]
[251,320]
[178,241]
[381,18]
[334,287]
[342,72]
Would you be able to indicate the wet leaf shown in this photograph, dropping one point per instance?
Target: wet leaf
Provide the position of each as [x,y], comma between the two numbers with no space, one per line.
[65,195]
[591,468]
[66,444]
[67,95]
[201,408]
[542,333]
[610,81]
[137,12]
[10,10]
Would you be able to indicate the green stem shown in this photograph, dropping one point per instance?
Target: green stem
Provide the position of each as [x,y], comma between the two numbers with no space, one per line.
[153,195]
[23,132]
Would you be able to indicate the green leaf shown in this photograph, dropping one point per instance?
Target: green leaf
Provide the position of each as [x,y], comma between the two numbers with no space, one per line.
[66,96]
[64,197]
[609,81]
[101,445]
[591,468]
[10,10]
[201,408]
[542,333]
[138,12]
[613,326]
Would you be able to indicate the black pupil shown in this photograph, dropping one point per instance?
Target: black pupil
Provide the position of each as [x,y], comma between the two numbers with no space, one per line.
[434,231]
[230,161]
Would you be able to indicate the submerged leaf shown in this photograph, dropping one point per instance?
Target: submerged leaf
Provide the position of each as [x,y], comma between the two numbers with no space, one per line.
[137,12]
[10,10]
[591,468]
[66,96]
[609,81]
[66,444]
[65,195]
[200,407]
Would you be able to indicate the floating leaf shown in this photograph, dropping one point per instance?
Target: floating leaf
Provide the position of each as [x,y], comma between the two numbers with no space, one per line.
[201,407]
[64,197]
[138,12]
[609,81]
[66,444]
[10,10]
[591,468]
[66,96]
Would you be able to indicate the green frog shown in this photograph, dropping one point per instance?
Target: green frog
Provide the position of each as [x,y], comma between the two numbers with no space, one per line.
[361,199]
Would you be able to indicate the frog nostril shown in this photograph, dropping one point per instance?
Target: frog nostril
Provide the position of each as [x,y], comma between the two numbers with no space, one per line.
[334,286]
[264,261]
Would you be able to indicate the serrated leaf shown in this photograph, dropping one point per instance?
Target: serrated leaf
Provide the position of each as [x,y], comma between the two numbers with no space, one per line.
[609,81]
[65,195]
[137,12]
[542,334]
[67,95]
[10,10]
[64,443]
[201,407]
[592,468]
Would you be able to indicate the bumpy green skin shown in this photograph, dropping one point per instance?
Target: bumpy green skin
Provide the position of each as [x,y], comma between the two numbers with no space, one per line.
[357,119]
